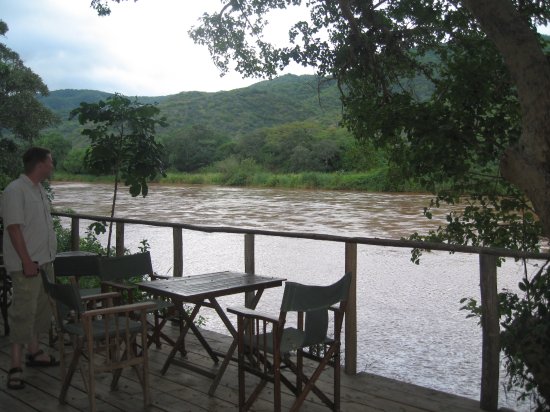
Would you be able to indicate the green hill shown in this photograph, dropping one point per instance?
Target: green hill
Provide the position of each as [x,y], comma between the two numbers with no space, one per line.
[271,103]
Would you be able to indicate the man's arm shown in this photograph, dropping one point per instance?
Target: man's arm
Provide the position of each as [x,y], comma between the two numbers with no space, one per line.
[30,268]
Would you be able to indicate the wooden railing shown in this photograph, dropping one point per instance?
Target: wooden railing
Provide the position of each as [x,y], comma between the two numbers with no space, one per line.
[488,257]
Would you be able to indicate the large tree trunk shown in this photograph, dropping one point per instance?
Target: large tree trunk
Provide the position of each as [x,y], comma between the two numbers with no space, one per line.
[527,164]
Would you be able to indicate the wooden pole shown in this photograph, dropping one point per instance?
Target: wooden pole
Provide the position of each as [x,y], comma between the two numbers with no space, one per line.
[490,357]
[119,239]
[75,233]
[249,263]
[178,251]
[350,366]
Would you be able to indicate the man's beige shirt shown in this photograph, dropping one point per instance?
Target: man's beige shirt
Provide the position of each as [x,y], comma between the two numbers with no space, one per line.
[26,204]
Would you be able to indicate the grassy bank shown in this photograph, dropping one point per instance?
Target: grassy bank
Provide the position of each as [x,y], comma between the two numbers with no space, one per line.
[372,181]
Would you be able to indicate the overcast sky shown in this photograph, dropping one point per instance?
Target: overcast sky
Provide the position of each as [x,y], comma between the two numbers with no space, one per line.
[140,49]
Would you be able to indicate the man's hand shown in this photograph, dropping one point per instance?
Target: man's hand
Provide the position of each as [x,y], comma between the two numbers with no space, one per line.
[31,269]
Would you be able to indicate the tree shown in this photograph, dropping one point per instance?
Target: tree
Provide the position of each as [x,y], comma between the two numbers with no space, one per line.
[21,113]
[8,167]
[75,161]
[192,148]
[122,142]
[59,145]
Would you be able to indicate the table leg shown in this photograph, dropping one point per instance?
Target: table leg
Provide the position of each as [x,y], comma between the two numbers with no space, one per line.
[189,324]
[179,342]
[233,331]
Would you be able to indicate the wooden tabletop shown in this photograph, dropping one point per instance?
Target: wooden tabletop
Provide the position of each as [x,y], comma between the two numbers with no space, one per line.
[208,285]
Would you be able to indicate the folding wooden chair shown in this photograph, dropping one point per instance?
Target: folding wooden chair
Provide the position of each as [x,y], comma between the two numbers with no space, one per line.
[266,343]
[81,268]
[104,339]
[121,273]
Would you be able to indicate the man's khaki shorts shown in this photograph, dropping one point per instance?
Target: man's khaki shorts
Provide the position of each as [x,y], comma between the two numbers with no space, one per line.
[30,312]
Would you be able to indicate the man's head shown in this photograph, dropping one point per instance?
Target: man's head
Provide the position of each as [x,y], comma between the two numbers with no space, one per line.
[38,163]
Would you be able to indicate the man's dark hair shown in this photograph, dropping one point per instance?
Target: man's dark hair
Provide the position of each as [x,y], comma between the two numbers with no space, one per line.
[33,156]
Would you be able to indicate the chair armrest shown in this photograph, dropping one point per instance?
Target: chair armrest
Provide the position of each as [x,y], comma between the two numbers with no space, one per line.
[116,285]
[154,276]
[100,296]
[253,314]
[113,310]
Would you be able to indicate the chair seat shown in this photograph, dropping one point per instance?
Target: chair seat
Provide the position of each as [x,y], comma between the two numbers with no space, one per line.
[89,291]
[292,340]
[98,328]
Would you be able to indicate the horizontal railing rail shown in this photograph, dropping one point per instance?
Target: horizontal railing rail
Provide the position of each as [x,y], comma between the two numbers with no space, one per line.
[374,241]
[488,259]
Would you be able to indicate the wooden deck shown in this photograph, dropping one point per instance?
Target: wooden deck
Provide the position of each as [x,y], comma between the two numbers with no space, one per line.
[182,390]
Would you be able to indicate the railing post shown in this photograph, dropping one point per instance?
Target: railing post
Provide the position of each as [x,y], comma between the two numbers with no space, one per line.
[490,357]
[119,239]
[75,233]
[350,365]
[249,264]
[178,251]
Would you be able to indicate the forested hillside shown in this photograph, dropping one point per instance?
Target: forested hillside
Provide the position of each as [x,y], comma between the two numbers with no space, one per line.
[289,124]
[270,103]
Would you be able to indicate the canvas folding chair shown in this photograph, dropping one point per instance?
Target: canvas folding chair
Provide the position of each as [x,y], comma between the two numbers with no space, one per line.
[121,273]
[266,344]
[81,269]
[104,339]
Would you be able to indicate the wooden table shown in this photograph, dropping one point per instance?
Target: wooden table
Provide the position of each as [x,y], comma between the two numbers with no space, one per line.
[203,290]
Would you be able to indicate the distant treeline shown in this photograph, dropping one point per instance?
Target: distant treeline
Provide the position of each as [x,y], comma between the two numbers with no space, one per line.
[293,155]
[283,132]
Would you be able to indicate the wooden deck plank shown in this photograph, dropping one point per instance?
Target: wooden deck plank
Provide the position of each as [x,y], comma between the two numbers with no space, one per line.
[182,390]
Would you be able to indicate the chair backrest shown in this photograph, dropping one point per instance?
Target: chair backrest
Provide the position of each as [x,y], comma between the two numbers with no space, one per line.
[76,266]
[315,302]
[120,268]
[66,294]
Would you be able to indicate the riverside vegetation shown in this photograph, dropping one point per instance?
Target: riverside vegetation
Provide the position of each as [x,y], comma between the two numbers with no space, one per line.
[279,133]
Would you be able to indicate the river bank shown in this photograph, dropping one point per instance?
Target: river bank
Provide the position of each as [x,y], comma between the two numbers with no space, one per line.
[376,180]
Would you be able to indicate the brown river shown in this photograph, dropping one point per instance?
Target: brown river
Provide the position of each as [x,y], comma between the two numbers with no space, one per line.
[409,323]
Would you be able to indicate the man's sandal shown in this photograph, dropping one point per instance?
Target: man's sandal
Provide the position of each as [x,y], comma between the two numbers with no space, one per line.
[38,363]
[14,379]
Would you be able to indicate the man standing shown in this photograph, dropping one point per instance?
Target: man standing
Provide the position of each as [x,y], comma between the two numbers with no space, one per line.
[29,245]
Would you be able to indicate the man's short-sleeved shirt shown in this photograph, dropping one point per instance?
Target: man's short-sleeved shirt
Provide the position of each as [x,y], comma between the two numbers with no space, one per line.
[26,204]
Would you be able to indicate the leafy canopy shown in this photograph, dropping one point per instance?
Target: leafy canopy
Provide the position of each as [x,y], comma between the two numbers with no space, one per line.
[122,140]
